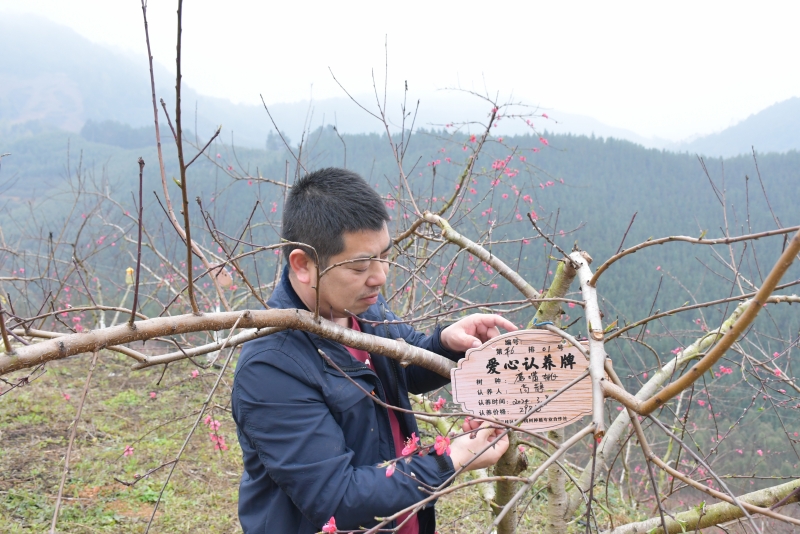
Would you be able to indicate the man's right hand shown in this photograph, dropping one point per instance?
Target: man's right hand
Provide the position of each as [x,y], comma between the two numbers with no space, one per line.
[464,448]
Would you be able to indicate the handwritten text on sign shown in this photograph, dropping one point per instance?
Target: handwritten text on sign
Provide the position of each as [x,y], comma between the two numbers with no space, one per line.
[506,376]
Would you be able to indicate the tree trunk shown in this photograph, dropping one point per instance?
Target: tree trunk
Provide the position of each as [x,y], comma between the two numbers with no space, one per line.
[556,492]
[510,463]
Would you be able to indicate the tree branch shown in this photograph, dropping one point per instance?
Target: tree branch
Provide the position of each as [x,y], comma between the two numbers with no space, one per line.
[71,441]
[597,351]
[718,513]
[685,239]
[484,255]
[71,344]
[752,309]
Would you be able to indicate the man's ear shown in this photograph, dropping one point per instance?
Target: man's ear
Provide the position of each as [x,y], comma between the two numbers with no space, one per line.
[303,267]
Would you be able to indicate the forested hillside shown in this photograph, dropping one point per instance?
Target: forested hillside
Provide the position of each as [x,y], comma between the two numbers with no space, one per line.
[137,333]
[587,188]
[80,189]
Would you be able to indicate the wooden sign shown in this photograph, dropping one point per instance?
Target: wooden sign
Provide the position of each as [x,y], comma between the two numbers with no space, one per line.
[506,376]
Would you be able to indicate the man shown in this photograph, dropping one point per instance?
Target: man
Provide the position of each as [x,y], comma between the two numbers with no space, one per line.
[312,441]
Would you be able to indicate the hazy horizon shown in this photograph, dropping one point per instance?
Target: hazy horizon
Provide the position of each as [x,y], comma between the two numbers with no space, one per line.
[671,73]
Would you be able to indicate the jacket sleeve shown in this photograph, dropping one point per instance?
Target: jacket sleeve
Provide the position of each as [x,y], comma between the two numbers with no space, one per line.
[302,447]
[421,380]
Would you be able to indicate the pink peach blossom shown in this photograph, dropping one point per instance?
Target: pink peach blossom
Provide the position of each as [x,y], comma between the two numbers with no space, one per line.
[411,445]
[330,526]
[442,445]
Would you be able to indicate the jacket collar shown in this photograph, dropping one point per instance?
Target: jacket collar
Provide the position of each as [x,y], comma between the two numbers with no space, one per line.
[284,297]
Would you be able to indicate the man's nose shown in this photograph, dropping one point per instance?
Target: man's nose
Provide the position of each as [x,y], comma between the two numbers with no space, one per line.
[377,274]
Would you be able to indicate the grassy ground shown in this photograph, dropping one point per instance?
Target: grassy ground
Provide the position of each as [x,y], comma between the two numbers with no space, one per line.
[127,408]
[119,412]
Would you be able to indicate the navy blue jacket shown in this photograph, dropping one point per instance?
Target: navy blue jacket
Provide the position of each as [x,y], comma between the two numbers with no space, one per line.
[312,441]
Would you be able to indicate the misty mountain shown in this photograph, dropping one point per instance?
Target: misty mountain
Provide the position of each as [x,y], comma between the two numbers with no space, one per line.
[774,129]
[52,77]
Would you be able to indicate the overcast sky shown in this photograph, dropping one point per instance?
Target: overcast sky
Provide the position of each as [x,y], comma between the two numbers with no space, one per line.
[667,69]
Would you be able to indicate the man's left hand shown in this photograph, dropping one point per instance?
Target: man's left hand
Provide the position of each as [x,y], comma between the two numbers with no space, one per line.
[473,331]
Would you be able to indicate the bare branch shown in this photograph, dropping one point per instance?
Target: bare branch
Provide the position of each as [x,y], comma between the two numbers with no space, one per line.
[216,133]
[754,306]
[715,514]
[685,239]
[476,250]
[138,247]
[71,441]
[82,343]
[6,342]
[597,352]
[196,422]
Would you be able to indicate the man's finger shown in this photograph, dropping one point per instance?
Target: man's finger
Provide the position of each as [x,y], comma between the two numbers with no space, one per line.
[470,424]
[505,324]
[463,341]
[491,320]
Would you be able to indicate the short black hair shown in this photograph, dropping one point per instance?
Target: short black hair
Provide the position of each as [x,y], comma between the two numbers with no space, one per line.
[325,204]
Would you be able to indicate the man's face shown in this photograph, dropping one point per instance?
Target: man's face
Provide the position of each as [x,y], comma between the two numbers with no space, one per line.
[354,286]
